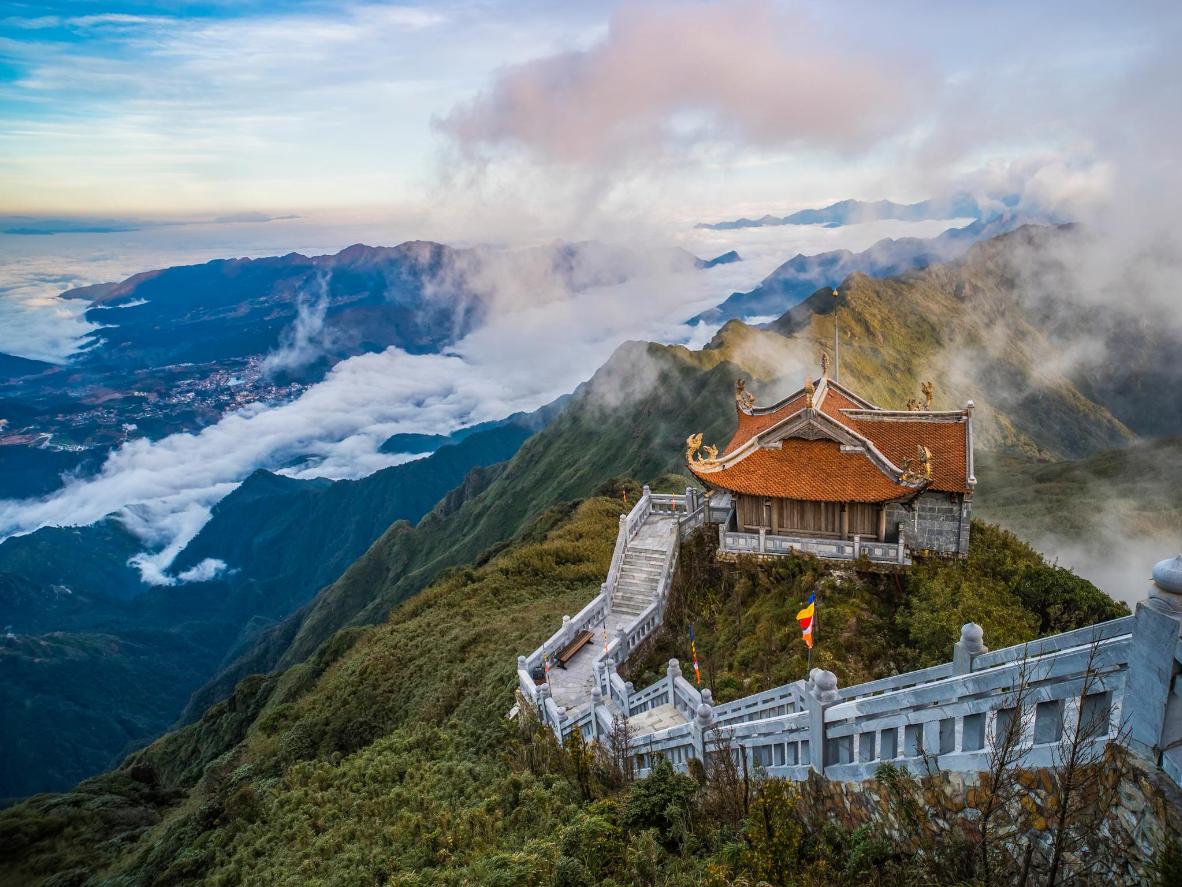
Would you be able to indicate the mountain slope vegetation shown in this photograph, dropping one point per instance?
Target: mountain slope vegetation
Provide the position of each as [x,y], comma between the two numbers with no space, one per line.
[963,325]
[102,662]
[386,756]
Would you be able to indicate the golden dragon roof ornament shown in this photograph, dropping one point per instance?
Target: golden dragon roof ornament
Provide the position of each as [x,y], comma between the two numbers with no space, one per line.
[693,444]
[808,392]
[744,399]
[918,468]
[929,391]
[825,364]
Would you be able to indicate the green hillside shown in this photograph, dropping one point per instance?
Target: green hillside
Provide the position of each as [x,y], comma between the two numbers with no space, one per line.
[386,757]
[966,325]
[1130,492]
[101,663]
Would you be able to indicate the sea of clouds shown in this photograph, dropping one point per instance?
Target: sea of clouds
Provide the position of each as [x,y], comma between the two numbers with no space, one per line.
[529,353]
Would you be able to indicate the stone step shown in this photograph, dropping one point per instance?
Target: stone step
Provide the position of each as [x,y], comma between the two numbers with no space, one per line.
[646,566]
[639,576]
[642,567]
[629,594]
[654,553]
[630,609]
[649,588]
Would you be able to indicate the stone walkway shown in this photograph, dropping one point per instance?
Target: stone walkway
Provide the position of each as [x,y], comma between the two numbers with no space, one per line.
[571,686]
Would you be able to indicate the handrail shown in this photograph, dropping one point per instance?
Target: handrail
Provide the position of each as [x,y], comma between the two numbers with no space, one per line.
[941,714]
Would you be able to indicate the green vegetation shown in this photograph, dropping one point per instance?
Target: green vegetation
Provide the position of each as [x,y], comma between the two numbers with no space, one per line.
[386,757]
[869,624]
[101,663]
[1131,491]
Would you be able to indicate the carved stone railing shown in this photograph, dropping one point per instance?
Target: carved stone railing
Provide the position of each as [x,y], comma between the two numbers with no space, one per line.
[764,543]
[945,717]
[612,689]
[940,718]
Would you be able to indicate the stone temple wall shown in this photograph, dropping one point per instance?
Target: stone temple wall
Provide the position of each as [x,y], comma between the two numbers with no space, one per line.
[935,521]
[1143,813]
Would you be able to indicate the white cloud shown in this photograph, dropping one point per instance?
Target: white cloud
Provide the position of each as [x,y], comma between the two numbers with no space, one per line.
[540,343]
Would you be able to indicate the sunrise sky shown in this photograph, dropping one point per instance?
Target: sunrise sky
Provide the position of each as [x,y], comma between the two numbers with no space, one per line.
[683,110]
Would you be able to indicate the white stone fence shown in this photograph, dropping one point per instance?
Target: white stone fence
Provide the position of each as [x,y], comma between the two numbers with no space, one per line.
[690,511]
[939,718]
[946,717]
[764,542]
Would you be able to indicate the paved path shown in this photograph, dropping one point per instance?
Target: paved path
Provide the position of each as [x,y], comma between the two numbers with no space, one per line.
[571,686]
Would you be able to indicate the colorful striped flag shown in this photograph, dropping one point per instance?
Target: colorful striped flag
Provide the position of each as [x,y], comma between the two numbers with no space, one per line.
[805,618]
[694,651]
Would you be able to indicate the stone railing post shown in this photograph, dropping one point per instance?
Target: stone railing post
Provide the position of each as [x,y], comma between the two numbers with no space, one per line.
[762,539]
[673,672]
[691,500]
[857,545]
[1151,675]
[899,551]
[970,645]
[702,723]
[607,597]
[822,692]
[622,649]
[609,669]
[596,701]
[722,537]
[566,630]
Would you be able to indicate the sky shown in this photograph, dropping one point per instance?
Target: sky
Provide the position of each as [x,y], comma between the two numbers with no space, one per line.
[574,113]
[516,123]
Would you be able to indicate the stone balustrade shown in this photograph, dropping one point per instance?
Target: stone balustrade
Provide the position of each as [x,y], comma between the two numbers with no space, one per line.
[942,718]
[765,543]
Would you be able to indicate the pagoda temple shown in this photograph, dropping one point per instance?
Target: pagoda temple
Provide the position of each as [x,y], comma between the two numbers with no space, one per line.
[826,471]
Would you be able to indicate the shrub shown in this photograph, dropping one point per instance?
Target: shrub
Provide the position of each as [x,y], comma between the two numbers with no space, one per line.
[664,801]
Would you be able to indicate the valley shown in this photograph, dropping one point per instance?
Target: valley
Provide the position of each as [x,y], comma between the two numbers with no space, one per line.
[284,566]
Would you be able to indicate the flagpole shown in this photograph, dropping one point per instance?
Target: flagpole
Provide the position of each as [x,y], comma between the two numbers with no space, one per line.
[816,610]
[836,342]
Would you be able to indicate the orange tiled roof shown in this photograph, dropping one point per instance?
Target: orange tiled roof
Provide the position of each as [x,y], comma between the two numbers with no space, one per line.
[897,439]
[816,470]
[750,424]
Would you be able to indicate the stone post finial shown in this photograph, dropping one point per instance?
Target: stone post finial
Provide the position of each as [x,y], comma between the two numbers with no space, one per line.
[521,662]
[674,668]
[824,685]
[707,696]
[969,406]
[596,695]
[646,491]
[1165,594]
[972,636]
[704,716]
[970,645]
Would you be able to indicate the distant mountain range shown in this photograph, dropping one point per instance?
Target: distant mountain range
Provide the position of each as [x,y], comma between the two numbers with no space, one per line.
[851,212]
[107,662]
[802,275]
[176,349]
[308,561]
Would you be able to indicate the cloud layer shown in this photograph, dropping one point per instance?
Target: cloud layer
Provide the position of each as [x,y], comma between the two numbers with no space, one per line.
[663,76]
[537,346]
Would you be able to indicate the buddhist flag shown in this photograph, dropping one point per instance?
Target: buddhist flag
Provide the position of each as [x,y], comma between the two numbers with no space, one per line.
[694,651]
[805,618]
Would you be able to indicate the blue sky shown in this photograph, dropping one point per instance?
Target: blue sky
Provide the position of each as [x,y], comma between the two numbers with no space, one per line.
[185,109]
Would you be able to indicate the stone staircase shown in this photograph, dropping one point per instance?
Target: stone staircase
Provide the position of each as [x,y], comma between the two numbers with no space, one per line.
[641,571]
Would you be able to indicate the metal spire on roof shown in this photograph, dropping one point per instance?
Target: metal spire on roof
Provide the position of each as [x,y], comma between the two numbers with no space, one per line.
[836,341]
